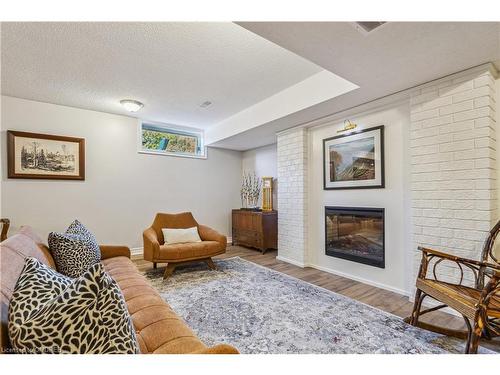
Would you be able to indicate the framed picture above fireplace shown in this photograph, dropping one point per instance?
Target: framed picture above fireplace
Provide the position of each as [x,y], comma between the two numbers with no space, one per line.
[354,160]
[356,234]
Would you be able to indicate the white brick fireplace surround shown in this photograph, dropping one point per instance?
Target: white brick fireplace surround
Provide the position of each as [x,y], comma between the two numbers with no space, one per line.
[292,196]
[441,184]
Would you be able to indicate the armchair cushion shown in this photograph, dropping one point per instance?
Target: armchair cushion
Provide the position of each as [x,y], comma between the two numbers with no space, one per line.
[190,251]
[180,235]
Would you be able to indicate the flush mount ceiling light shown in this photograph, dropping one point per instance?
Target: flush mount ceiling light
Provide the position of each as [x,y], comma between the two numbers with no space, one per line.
[205,104]
[131,105]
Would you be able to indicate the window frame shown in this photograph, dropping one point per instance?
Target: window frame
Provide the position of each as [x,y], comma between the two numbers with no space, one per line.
[173,129]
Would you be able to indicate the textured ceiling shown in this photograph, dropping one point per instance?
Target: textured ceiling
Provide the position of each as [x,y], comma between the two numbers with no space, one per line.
[171,67]
[174,67]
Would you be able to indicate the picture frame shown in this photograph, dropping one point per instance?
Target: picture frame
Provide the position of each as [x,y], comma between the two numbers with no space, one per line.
[45,156]
[354,160]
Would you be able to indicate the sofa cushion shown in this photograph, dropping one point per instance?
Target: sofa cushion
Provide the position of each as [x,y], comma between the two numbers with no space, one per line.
[13,252]
[75,250]
[49,312]
[187,251]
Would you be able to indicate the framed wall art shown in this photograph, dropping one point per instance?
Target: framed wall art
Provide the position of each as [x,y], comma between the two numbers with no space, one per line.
[44,156]
[354,160]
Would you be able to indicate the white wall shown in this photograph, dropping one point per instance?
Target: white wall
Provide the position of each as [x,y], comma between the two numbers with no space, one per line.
[394,198]
[264,162]
[123,189]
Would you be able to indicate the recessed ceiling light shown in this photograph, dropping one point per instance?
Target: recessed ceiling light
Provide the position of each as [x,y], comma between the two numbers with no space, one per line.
[131,105]
[205,104]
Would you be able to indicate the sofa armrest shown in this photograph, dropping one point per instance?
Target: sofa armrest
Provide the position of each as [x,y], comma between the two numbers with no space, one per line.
[218,349]
[209,234]
[111,251]
[151,244]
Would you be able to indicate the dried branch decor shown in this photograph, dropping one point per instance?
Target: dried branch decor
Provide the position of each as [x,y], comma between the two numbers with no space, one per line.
[250,190]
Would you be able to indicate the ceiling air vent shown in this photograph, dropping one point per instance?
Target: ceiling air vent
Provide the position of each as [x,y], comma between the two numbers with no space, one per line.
[368,26]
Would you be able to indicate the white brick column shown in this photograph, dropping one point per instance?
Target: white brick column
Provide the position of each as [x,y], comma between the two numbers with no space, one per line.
[453,164]
[292,196]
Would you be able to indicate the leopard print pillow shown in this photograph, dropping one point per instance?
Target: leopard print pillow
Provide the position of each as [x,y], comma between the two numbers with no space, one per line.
[75,250]
[51,313]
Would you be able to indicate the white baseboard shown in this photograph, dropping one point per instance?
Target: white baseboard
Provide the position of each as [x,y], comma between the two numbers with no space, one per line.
[292,261]
[229,240]
[362,280]
[347,276]
[136,251]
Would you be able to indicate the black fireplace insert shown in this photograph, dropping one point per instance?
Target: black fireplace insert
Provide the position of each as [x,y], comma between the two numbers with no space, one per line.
[356,234]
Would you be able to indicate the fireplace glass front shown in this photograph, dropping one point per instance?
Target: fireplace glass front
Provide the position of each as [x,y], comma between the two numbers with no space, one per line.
[355,234]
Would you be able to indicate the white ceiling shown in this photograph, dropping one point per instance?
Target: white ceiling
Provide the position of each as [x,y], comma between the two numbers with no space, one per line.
[392,58]
[171,67]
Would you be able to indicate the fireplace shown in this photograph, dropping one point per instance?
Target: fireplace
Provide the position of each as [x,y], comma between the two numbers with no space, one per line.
[356,234]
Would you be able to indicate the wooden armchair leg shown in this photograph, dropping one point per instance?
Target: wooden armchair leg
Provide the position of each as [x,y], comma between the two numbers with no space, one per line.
[154,265]
[210,263]
[474,343]
[169,270]
[417,313]
[416,308]
[469,335]
[475,336]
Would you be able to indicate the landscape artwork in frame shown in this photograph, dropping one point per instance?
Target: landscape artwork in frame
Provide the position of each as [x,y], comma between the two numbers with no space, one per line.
[44,156]
[354,160]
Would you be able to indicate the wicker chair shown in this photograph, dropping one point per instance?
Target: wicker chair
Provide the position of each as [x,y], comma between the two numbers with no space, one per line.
[478,304]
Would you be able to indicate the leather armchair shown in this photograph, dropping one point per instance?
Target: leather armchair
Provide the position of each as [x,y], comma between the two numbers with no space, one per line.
[156,251]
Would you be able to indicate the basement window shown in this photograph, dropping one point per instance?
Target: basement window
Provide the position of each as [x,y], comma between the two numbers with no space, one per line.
[163,139]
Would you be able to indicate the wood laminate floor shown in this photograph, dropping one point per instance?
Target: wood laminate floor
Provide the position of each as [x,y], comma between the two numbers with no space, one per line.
[391,302]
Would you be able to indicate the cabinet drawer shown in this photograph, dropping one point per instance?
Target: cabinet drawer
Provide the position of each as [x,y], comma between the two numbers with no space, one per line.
[247,220]
[247,237]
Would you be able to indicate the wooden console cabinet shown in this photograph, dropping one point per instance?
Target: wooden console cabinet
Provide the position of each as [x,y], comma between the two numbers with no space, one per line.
[257,229]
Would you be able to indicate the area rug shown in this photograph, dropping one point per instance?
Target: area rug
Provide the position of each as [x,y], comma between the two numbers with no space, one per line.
[259,310]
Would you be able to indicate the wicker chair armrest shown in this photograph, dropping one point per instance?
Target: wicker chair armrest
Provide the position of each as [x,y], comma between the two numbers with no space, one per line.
[454,258]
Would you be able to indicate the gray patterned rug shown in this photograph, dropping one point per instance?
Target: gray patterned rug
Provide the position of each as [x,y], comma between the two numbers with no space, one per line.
[259,310]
